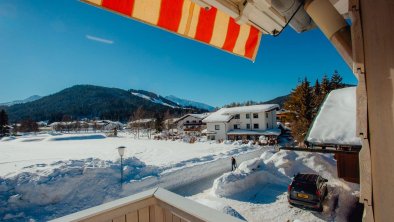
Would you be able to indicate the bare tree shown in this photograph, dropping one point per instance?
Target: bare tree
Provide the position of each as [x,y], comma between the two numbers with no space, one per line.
[85,126]
[95,126]
[168,121]
[136,121]
[28,125]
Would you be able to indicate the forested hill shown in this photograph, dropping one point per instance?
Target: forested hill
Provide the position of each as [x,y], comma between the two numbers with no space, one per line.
[88,101]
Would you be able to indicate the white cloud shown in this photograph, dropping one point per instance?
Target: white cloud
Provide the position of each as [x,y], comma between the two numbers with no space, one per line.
[97,39]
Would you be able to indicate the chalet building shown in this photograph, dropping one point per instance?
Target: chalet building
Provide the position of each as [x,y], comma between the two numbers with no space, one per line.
[243,123]
[334,130]
[190,123]
[282,116]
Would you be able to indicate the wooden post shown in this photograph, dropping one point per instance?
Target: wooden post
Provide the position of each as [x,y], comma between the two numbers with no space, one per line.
[377,50]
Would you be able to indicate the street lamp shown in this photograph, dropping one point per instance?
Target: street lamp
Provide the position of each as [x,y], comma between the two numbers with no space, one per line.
[121,150]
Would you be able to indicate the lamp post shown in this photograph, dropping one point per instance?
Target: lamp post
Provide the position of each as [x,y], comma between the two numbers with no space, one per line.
[121,150]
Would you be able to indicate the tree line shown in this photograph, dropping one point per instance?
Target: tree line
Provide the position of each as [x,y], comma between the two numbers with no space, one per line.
[305,100]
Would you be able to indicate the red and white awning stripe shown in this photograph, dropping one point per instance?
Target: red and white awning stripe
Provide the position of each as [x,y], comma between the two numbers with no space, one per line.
[188,19]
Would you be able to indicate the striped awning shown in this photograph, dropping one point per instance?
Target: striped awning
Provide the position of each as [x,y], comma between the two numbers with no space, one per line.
[188,19]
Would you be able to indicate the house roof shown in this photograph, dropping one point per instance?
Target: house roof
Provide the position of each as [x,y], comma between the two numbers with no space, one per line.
[336,121]
[196,115]
[225,114]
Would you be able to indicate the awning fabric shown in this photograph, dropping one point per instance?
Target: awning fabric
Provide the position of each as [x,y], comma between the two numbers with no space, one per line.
[188,19]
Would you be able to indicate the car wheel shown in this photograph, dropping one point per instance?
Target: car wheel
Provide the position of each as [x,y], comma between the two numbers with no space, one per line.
[320,209]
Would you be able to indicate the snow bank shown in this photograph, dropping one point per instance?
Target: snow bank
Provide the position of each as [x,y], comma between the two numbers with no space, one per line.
[66,186]
[250,176]
[265,179]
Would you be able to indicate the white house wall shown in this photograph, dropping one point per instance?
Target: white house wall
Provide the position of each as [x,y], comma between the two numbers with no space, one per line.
[262,120]
[220,134]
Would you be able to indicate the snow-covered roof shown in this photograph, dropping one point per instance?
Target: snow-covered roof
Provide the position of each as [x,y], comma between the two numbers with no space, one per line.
[225,114]
[336,121]
[198,116]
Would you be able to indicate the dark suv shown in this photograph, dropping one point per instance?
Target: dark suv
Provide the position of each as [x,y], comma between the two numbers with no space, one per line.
[307,190]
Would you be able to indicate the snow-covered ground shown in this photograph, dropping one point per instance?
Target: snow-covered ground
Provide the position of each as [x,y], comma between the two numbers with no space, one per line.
[257,190]
[46,176]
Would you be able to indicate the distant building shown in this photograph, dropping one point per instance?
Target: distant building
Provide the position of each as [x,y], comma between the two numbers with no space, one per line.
[245,122]
[282,116]
[191,123]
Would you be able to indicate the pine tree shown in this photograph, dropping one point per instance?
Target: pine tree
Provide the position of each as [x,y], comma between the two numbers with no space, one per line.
[300,103]
[336,81]
[317,97]
[4,130]
[159,122]
[3,123]
[325,86]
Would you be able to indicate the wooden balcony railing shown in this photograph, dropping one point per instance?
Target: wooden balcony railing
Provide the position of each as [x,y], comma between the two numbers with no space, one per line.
[155,205]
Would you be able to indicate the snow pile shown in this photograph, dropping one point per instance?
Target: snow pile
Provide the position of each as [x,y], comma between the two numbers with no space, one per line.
[265,179]
[66,186]
[247,179]
[336,121]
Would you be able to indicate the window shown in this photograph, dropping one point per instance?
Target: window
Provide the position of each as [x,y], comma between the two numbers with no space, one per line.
[267,125]
[217,127]
[236,126]
[248,126]
[255,126]
[188,121]
[255,115]
[236,116]
[266,115]
[247,116]
[194,121]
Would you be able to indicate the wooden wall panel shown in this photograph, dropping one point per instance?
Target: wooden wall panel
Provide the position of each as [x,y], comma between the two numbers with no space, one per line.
[120,219]
[378,32]
[132,217]
[143,215]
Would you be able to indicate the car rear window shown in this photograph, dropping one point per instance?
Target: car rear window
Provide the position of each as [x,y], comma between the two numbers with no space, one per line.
[306,187]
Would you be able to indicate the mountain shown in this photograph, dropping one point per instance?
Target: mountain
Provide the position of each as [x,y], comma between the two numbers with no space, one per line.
[153,97]
[189,103]
[88,101]
[280,100]
[29,99]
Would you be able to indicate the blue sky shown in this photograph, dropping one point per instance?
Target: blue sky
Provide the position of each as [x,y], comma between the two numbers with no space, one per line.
[49,45]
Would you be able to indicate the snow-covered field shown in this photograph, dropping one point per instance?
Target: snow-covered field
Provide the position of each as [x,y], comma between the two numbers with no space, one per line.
[45,176]
[257,190]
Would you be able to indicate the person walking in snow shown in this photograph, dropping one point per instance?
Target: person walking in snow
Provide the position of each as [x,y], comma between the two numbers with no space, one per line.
[233,164]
